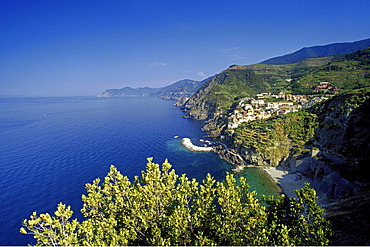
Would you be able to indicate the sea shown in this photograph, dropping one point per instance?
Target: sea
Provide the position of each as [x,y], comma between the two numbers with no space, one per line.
[50,147]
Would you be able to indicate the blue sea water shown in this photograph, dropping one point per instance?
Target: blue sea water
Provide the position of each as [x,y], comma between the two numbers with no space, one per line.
[51,147]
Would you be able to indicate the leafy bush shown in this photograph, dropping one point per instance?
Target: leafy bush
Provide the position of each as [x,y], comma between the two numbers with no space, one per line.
[162,208]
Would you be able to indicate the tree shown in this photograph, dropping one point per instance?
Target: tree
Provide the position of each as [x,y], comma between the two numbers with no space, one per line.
[163,208]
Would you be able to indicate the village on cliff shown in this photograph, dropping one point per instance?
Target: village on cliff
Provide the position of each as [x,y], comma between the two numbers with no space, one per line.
[266,105]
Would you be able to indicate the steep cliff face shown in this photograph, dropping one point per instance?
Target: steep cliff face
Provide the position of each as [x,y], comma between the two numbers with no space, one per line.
[344,130]
[201,110]
[269,142]
[198,106]
[350,220]
[271,156]
[330,143]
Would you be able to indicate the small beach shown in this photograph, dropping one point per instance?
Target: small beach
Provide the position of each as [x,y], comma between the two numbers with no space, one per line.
[290,182]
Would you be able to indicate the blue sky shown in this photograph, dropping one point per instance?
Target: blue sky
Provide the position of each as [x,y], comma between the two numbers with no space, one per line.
[82,47]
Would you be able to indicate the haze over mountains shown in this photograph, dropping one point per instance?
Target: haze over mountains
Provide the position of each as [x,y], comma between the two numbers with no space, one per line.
[186,87]
[182,88]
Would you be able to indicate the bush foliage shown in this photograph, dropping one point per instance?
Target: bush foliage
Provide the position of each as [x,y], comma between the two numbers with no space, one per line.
[163,208]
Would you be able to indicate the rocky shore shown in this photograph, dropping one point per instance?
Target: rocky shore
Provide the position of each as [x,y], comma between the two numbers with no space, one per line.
[288,179]
[291,175]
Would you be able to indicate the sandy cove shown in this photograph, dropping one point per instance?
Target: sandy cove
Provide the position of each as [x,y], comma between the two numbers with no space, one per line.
[289,182]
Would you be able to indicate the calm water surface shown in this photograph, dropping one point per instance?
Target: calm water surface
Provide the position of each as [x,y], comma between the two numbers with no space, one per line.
[51,147]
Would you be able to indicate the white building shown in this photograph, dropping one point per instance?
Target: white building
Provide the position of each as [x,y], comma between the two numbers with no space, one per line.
[272,105]
[257,102]
[285,103]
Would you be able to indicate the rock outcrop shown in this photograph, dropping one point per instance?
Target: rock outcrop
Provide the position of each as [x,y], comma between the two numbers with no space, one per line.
[344,134]
[181,101]
[350,220]
[335,153]
[230,156]
[198,106]
[323,177]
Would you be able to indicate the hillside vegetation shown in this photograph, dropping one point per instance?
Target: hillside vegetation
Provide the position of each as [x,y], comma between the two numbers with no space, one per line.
[338,132]
[222,91]
[351,71]
[338,125]
[328,143]
[275,139]
[218,94]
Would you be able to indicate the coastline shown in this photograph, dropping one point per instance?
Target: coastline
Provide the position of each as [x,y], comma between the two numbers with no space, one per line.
[289,182]
[286,181]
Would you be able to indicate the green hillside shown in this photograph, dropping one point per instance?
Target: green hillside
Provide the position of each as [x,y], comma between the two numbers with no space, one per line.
[217,95]
[328,142]
[236,82]
[351,71]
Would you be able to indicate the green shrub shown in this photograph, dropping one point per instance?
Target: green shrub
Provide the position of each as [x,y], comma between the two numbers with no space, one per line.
[163,208]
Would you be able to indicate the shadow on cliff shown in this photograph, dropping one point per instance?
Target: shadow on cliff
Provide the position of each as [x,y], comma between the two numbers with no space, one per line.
[344,138]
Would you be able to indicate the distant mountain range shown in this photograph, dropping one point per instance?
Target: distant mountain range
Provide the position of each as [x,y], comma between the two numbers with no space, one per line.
[128,92]
[319,51]
[183,88]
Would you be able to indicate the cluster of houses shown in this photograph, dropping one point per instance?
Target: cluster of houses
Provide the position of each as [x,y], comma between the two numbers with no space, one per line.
[261,107]
[325,86]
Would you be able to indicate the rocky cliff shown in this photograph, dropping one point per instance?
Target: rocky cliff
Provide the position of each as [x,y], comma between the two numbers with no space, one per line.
[198,106]
[334,156]
[328,143]
[344,132]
